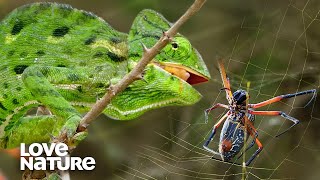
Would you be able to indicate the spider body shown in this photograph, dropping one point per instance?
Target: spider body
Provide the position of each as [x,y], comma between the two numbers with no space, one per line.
[232,136]
[239,120]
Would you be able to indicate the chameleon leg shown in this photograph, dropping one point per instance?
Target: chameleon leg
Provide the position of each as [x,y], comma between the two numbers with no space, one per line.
[37,129]
[31,129]
[36,79]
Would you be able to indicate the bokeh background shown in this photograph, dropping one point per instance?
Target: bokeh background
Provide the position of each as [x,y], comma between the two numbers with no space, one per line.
[272,46]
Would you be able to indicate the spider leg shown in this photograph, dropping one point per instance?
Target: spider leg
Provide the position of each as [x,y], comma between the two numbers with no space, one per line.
[250,127]
[214,129]
[286,96]
[226,82]
[207,111]
[277,113]
[260,147]
[250,146]
[254,133]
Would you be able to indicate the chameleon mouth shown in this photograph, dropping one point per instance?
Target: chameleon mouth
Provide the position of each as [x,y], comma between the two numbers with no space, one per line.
[188,75]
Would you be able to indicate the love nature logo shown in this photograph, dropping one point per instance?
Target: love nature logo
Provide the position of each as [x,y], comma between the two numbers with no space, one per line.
[55,157]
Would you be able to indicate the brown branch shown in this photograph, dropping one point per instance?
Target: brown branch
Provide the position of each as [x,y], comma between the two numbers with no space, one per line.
[135,74]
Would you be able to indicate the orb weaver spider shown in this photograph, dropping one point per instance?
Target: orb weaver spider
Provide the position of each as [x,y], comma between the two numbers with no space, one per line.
[240,119]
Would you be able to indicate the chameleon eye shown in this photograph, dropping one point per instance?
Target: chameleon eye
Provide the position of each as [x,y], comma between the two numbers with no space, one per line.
[174,46]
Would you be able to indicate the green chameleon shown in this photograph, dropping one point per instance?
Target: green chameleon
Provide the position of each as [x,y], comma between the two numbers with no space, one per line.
[57,61]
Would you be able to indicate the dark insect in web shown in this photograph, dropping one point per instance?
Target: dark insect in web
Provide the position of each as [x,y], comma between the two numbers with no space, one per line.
[239,120]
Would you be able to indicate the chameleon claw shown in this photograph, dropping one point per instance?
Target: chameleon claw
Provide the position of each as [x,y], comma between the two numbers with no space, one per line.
[82,127]
[77,138]
[69,129]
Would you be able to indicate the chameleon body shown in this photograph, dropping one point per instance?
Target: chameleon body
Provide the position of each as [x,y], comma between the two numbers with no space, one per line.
[61,60]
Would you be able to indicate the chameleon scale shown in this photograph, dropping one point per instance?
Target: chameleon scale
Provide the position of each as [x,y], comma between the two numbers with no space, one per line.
[64,59]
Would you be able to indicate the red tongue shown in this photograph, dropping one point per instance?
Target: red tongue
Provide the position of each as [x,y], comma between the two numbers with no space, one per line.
[194,79]
[185,75]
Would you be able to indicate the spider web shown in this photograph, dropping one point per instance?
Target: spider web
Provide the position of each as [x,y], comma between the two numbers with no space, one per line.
[273,49]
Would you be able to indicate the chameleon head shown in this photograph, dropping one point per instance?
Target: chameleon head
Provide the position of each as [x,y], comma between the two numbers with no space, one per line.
[168,79]
[182,60]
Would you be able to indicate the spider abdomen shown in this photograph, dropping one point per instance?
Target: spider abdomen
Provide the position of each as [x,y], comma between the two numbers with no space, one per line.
[232,137]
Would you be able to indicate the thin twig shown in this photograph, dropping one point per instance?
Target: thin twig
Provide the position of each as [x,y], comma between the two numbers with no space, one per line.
[135,74]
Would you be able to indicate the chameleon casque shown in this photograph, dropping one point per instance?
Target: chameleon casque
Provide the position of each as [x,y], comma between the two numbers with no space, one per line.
[60,59]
